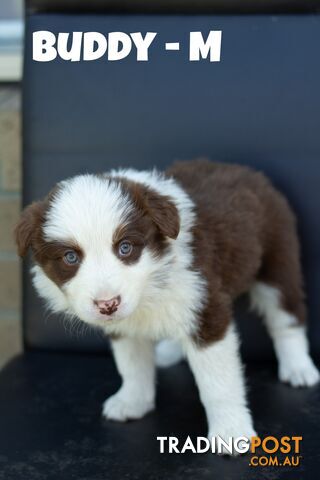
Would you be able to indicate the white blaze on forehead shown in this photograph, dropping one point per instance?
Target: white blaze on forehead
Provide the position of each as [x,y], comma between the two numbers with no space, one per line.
[86,209]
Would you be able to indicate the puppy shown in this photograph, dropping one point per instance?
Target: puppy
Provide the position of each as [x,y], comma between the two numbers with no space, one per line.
[148,256]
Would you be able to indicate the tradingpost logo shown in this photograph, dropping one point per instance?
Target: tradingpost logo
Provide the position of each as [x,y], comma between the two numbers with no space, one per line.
[265,451]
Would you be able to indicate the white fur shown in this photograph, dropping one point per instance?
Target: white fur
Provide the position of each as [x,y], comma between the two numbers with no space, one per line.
[135,363]
[49,291]
[168,352]
[160,297]
[289,338]
[219,376]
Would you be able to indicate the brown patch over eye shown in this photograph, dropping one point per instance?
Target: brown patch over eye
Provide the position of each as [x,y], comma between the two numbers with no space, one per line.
[152,223]
[49,255]
[59,261]
[140,232]
[128,244]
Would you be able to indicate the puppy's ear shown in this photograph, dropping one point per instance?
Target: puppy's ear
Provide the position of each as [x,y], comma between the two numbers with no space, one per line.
[30,218]
[163,212]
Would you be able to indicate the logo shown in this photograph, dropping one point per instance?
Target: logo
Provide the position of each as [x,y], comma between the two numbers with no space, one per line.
[264,451]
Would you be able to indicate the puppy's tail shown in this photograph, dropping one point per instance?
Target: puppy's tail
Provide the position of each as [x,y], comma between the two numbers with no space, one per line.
[167,353]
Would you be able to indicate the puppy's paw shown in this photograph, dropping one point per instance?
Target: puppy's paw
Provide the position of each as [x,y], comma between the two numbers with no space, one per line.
[120,407]
[300,374]
[236,429]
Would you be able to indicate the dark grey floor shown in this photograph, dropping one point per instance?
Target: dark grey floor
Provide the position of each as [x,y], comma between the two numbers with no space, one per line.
[51,427]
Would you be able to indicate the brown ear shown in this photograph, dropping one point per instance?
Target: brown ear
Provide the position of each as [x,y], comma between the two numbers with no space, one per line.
[25,229]
[163,212]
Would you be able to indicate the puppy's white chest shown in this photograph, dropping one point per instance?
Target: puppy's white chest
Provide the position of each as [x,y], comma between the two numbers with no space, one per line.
[169,313]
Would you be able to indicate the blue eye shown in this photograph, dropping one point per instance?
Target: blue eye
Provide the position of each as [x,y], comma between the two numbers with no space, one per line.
[71,258]
[125,249]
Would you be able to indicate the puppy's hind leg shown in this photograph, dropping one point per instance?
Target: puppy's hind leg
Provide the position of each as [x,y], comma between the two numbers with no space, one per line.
[279,297]
[288,334]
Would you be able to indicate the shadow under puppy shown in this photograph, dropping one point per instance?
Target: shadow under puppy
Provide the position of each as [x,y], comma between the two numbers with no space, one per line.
[148,256]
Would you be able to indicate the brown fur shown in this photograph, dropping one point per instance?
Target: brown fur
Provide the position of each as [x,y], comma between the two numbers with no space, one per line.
[49,255]
[154,219]
[27,228]
[29,234]
[245,231]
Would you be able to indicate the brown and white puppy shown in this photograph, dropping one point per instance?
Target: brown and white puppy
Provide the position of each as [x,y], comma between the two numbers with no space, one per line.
[146,256]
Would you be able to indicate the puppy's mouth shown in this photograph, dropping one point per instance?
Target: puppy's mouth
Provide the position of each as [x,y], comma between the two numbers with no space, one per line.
[104,317]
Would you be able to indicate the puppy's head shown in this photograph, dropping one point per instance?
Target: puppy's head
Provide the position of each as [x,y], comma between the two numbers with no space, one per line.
[98,242]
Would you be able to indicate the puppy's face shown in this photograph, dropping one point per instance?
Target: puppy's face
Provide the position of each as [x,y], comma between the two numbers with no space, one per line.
[98,242]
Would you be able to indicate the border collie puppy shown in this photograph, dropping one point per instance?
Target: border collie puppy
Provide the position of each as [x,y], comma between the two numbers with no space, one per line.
[148,256]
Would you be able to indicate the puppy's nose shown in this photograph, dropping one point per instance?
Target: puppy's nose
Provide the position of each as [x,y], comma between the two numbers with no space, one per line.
[108,307]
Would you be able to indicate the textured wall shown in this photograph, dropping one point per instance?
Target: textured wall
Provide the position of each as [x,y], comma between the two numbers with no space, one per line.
[10,195]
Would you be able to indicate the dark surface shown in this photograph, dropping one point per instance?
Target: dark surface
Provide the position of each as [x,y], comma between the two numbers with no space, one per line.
[51,421]
[174,6]
[260,106]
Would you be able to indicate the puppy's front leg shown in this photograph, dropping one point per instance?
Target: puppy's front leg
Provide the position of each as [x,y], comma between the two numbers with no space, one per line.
[135,362]
[218,373]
